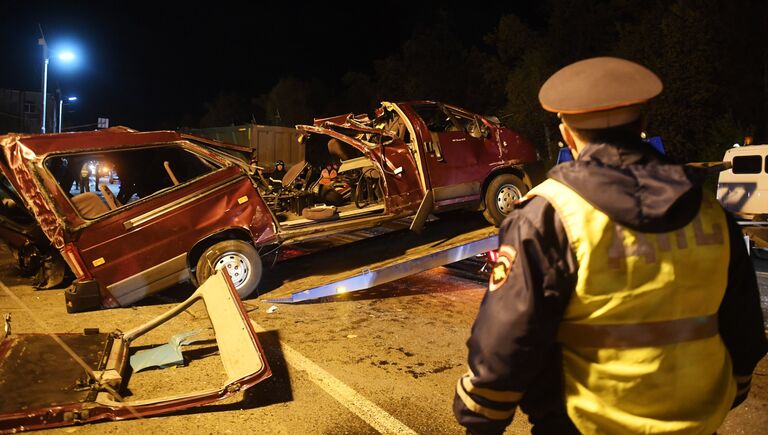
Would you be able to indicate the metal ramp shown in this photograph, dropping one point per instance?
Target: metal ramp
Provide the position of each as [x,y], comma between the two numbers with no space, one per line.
[755,231]
[370,262]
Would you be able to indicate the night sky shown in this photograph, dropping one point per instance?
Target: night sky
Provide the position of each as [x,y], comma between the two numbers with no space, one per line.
[156,64]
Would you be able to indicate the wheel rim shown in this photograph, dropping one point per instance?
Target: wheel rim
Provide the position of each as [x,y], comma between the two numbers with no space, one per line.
[236,265]
[505,199]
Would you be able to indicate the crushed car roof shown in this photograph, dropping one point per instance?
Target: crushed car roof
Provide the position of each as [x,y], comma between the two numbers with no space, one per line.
[107,139]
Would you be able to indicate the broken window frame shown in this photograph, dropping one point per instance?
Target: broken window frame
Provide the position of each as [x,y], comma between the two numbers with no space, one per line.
[239,349]
[216,164]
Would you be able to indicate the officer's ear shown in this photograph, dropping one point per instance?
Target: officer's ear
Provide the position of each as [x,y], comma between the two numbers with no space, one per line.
[568,138]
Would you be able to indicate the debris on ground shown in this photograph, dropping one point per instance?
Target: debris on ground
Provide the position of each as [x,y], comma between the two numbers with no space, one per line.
[164,356]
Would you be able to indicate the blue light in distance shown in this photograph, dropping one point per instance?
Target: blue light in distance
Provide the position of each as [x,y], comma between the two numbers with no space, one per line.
[66,56]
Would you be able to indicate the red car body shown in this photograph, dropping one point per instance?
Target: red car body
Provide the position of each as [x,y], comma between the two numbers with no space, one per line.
[210,209]
[453,163]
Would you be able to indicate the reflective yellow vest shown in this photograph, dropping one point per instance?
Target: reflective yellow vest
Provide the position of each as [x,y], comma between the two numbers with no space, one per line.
[640,343]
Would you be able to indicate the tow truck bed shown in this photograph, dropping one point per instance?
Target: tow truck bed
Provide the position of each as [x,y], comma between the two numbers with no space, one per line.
[756,231]
[372,261]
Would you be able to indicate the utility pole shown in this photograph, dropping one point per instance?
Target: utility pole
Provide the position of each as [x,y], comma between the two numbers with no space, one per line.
[41,41]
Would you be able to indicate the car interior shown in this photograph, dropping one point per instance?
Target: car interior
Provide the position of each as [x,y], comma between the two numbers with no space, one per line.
[99,182]
[335,181]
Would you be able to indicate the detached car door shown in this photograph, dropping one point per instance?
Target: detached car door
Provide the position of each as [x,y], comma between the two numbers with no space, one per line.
[51,380]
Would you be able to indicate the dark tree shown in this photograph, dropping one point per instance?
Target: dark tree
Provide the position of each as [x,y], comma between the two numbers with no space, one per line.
[228,108]
[712,56]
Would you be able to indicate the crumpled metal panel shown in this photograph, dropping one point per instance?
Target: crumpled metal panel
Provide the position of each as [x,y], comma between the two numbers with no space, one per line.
[50,389]
[401,189]
[19,159]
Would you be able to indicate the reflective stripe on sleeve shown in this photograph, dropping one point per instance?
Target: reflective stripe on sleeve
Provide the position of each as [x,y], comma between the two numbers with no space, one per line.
[493,414]
[487,393]
[647,334]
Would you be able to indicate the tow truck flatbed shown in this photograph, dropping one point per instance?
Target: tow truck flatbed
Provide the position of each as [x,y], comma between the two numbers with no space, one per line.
[756,231]
[376,260]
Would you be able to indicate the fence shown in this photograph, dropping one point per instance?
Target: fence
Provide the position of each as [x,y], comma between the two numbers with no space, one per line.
[271,143]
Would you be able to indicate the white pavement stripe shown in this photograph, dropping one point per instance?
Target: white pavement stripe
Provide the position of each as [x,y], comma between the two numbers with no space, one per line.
[368,411]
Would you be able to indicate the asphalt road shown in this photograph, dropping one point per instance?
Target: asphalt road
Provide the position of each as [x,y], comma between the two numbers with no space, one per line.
[385,358]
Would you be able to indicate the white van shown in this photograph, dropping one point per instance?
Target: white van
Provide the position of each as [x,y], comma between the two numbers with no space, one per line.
[743,189]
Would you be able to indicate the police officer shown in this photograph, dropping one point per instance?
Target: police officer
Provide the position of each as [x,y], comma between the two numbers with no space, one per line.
[623,300]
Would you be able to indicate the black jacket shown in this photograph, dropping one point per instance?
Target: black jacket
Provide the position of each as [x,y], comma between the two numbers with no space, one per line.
[513,343]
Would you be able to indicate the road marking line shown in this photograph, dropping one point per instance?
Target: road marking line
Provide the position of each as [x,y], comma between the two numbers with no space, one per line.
[355,402]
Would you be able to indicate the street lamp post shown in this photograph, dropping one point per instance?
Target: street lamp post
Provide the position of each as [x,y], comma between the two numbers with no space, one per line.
[65,56]
[41,41]
[61,109]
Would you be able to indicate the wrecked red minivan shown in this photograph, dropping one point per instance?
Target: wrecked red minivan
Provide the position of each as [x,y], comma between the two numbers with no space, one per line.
[176,207]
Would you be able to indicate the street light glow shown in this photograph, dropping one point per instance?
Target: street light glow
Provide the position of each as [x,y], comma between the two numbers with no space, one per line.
[68,59]
[66,56]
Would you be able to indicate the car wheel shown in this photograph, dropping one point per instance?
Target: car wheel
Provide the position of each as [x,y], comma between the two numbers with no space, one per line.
[500,197]
[238,258]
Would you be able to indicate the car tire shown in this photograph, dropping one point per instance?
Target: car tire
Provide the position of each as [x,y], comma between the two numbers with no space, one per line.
[239,258]
[500,196]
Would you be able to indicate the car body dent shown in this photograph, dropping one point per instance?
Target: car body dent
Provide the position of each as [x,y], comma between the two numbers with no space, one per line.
[29,189]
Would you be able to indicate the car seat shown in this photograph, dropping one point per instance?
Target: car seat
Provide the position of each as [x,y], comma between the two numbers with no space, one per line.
[89,205]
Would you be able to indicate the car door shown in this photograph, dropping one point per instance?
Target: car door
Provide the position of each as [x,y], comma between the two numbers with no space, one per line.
[459,153]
